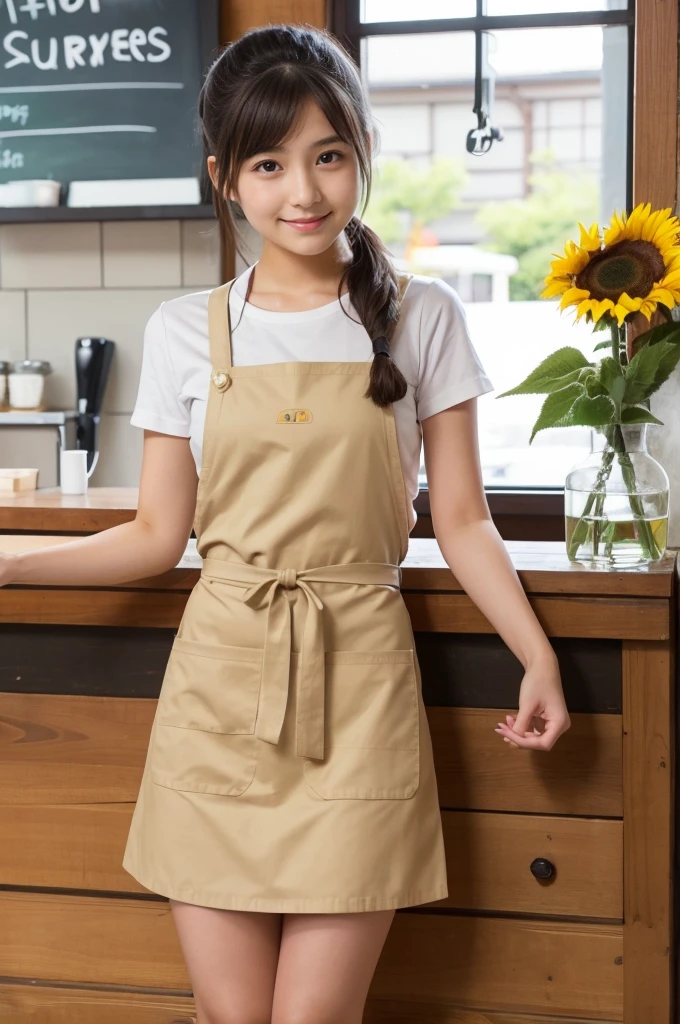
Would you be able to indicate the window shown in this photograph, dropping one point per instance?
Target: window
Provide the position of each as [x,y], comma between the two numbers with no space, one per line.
[561,75]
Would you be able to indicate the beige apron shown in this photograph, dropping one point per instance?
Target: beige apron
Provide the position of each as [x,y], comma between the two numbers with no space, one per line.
[290,762]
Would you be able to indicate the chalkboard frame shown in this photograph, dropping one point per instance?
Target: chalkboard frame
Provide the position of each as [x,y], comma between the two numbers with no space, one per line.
[208,15]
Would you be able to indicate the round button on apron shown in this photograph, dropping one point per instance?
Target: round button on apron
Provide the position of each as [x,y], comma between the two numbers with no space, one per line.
[221,380]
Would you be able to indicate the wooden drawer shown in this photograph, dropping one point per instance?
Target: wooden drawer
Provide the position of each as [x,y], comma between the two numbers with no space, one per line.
[46,1004]
[488,860]
[506,965]
[488,857]
[582,775]
[65,846]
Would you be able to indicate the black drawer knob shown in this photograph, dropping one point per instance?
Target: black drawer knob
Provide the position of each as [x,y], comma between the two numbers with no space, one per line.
[542,868]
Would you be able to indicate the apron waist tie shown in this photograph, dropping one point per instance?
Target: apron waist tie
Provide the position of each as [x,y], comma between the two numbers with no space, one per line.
[260,582]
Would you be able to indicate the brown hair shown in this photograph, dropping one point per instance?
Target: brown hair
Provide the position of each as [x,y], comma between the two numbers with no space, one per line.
[249,102]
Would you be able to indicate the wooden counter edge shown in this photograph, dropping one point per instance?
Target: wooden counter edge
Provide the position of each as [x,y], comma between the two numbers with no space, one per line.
[542,568]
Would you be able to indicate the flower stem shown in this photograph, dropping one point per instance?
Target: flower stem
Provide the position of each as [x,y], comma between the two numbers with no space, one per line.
[645,532]
[597,497]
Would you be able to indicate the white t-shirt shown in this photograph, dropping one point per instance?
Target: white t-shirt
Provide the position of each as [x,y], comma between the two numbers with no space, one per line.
[430,345]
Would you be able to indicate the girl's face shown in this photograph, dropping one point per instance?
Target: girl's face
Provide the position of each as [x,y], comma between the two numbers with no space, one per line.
[313,177]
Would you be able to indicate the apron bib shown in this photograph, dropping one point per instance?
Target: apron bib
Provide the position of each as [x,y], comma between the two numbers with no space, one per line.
[290,762]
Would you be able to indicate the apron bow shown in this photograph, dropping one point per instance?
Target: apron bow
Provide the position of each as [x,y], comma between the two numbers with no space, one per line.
[309,737]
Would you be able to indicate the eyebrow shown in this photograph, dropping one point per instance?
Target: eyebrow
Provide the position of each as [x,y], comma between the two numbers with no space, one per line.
[319,142]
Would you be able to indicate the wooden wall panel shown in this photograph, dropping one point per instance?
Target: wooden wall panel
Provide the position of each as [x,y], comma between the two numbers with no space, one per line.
[523,966]
[489,856]
[237,16]
[57,749]
[47,1004]
[655,130]
[581,775]
[80,847]
[649,793]
[625,619]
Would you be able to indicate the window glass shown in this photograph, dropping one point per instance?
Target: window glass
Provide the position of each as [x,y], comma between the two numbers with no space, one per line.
[403,10]
[561,102]
[500,7]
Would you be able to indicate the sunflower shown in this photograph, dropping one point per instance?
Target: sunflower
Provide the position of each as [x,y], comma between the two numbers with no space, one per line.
[632,268]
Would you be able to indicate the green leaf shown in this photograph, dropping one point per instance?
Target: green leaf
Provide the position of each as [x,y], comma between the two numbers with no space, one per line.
[603,344]
[594,386]
[649,368]
[664,332]
[667,364]
[548,375]
[611,376]
[556,407]
[638,414]
[591,412]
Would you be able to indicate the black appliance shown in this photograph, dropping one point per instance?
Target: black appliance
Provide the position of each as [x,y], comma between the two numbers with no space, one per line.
[93,362]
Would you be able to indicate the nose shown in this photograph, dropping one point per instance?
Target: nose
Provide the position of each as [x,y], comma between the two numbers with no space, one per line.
[304,189]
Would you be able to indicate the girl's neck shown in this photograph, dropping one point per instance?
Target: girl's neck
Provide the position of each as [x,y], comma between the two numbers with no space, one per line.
[267,288]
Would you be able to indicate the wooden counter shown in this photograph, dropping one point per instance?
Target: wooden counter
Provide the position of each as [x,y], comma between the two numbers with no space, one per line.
[48,510]
[80,673]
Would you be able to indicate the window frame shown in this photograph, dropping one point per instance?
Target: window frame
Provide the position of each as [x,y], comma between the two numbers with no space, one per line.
[532,513]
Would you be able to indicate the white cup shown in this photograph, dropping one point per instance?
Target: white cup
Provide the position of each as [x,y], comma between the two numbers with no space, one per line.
[73,471]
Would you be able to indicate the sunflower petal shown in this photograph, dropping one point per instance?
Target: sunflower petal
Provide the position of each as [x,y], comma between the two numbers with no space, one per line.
[590,238]
[598,308]
[573,296]
[584,307]
[615,231]
[626,305]
[671,280]
[637,220]
[658,220]
[554,289]
[666,238]
[669,255]
[660,294]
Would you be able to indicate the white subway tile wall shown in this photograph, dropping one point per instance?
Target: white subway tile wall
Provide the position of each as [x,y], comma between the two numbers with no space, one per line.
[50,256]
[59,282]
[141,254]
[200,252]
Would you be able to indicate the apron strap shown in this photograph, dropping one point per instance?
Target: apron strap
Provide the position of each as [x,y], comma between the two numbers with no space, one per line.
[403,284]
[219,327]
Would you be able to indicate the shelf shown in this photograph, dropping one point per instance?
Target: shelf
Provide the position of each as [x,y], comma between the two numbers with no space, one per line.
[27,418]
[56,214]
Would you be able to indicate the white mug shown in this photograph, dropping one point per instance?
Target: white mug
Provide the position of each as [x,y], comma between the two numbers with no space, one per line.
[73,471]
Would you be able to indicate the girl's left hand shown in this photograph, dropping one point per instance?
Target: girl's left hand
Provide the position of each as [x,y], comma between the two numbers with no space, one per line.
[542,715]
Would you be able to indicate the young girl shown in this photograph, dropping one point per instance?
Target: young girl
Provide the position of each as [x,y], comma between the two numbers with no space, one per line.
[289,803]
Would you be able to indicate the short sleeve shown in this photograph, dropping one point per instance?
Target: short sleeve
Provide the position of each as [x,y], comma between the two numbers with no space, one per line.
[159,404]
[450,370]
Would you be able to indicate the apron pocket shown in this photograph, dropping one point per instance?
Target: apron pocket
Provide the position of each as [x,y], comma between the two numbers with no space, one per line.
[205,740]
[372,728]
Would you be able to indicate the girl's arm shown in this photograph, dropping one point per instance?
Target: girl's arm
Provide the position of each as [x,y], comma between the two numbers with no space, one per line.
[149,545]
[476,554]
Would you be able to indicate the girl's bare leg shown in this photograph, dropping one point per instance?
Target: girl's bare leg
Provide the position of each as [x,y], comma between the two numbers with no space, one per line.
[326,964]
[231,957]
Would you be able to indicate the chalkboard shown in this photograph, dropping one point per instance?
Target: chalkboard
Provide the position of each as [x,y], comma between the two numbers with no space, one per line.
[102,89]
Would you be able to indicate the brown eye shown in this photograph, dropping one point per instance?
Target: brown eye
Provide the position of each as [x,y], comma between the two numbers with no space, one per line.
[262,164]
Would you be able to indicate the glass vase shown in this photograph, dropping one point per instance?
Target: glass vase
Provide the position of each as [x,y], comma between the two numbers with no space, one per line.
[616,501]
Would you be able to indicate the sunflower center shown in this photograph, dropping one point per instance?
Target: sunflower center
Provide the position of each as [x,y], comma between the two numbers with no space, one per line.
[629,266]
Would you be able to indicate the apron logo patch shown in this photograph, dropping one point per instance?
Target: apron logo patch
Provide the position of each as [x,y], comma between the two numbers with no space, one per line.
[294,416]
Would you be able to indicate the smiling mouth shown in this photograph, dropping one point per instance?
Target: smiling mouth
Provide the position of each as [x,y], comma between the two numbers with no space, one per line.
[307,220]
